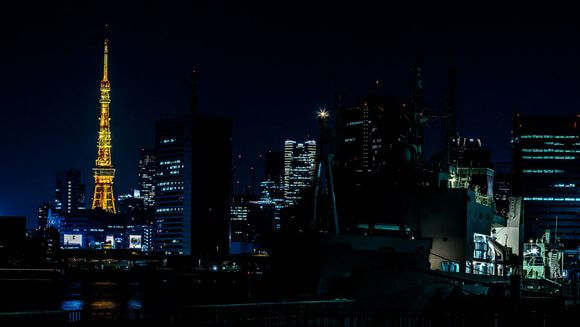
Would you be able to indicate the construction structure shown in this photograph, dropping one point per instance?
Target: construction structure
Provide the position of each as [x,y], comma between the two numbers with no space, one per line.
[324,186]
[104,172]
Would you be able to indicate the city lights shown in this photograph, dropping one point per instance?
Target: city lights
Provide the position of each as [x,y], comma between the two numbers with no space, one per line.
[323,113]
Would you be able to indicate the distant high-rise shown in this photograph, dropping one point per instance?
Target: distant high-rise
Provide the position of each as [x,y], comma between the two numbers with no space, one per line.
[104,172]
[546,158]
[370,135]
[43,209]
[241,232]
[272,191]
[212,184]
[130,202]
[274,168]
[172,233]
[146,176]
[70,192]
[272,186]
[299,169]
[193,183]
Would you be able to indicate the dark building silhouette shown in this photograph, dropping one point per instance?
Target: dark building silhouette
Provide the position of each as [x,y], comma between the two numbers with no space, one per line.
[193,183]
[12,232]
[503,189]
[133,206]
[469,152]
[370,155]
[70,192]
[274,167]
[212,184]
[546,158]
[262,217]
[370,135]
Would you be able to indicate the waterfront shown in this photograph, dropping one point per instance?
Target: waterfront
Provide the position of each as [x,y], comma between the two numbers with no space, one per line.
[122,291]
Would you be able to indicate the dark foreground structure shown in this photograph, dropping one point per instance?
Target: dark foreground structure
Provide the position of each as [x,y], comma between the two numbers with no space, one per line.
[338,312]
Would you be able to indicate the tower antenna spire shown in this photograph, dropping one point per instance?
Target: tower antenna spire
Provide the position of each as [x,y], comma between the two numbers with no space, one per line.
[106,61]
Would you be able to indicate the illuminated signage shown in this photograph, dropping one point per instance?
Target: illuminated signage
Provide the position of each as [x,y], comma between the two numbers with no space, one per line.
[110,241]
[73,239]
[134,241]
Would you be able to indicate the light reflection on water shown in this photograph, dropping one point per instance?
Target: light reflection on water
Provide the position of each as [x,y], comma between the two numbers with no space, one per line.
[103,305]
[135,305]
[72,305]
[102,295]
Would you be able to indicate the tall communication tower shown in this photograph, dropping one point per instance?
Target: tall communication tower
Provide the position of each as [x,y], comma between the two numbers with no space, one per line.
[104,172]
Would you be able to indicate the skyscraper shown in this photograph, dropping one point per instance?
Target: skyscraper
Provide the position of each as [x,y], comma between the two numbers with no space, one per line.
[299,169]
[241,232]
[70,192]
[193,183]
[104,172]
[274,166]
[272,186]
[146,176]
[370,136]
[43,214]
[212,184]
[172,233]
[546,157]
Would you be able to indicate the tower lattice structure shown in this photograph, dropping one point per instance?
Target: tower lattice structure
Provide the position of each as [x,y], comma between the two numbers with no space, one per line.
[104,172]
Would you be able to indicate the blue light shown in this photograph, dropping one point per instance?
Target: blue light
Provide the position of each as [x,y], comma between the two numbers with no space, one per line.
[72,305]
[135,305]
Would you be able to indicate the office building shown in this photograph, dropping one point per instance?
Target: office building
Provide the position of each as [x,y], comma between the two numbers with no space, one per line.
[43,209]
[273,192]
[193,183]
[133,207]
[272,186]
[212,184]
[146,176]
[369,135]
[173,188]
[12,232]
[299,169]
[262,217]
[546,158]
[70,192]
[241,231]
[274,167]
[253,223]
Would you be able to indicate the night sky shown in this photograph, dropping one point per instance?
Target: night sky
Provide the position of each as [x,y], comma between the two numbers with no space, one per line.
[267,66]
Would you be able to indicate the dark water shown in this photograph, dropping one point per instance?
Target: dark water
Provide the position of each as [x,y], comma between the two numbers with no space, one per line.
[121,294]
[72,295]
[98,295]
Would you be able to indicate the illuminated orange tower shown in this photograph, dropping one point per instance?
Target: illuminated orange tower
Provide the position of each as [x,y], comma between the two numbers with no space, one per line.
[104,172]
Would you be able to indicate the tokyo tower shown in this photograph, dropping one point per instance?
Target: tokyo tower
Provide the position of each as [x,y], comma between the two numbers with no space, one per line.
[104,172]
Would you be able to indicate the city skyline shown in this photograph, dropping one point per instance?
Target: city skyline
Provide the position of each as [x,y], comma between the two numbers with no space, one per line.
[289,164]
[269,79]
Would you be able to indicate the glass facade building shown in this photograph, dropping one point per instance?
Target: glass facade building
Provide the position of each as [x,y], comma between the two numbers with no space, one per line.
[70,192]
[546,152]
[299,169]
[172,232]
